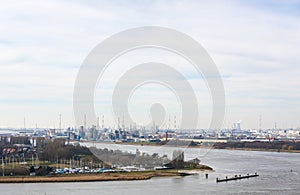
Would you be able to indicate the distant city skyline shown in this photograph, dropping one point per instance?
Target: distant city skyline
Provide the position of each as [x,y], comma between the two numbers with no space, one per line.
[254,44]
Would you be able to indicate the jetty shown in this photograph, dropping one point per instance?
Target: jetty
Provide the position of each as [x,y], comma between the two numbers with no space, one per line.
[236,177]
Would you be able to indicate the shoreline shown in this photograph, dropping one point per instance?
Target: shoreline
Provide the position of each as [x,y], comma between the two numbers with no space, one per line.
[130,176]
[204,147]
[261,150]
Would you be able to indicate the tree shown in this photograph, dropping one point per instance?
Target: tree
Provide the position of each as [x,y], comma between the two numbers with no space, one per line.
[31,169]
[178,159]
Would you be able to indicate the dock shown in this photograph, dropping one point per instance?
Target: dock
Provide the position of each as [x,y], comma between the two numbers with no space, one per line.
[236,177]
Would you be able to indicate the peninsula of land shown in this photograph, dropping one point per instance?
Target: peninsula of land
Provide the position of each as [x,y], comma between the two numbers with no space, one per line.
[137,175]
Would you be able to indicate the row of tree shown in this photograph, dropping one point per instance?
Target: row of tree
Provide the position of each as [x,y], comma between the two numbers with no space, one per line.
[278,145]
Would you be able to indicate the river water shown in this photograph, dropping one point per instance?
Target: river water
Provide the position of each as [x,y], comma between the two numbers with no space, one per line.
[279,174]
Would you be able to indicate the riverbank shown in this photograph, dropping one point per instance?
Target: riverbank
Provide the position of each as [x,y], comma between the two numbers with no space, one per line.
[212,147]
[140,175]
[261,150]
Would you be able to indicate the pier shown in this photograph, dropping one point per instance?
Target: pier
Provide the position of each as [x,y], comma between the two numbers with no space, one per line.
[236,177]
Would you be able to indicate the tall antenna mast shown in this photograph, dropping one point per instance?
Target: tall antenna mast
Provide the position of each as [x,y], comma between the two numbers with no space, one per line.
[2,167]
[102,121]
[97,126]
[60,123]
[175,122]
[260,122]
[24,123]
[84,123]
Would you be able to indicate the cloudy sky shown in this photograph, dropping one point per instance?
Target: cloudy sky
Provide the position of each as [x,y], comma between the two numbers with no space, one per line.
[255,45]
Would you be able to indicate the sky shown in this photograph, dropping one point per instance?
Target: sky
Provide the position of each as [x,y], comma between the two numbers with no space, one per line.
[255,45]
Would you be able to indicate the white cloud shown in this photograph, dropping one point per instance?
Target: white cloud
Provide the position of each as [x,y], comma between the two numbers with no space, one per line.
[255,45]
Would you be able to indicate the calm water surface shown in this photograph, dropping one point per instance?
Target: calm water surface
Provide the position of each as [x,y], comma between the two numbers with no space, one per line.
[274,168]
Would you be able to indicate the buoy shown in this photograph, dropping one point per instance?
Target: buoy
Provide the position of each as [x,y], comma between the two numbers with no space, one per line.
[206,175]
